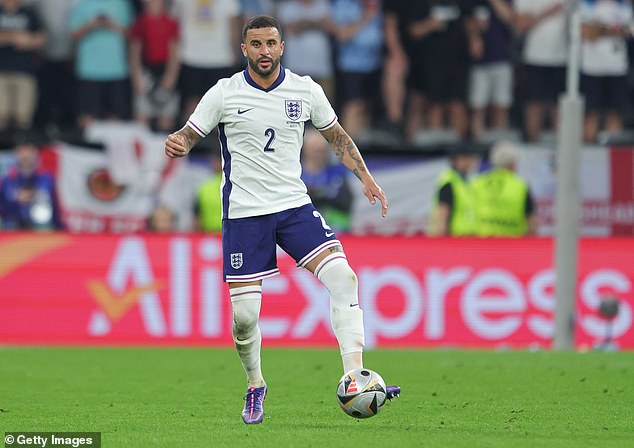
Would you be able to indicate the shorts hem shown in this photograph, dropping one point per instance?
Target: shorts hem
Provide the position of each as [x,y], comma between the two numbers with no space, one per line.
[313,253]
[252,277]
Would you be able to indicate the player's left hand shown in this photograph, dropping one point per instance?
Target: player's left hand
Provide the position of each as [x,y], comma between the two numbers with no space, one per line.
[372,191]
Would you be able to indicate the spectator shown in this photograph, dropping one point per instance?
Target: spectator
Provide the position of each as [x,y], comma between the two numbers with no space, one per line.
[99,29]
[491,81]
[27,196]
[403,72]
[359,32]
[162,220]
[543,24]
[308,23]
[21,35]
[453,213]
[252,8]
[202,22]
[154,65]
[208,207]
[327,182]
[56,76]
[503,203]
[442,25]
[604,64]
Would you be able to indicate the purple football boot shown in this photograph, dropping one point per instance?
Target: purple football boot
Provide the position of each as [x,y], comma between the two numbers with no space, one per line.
[392,391]
[253,411]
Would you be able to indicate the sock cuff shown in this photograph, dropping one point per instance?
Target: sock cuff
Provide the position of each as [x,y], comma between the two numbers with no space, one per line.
[253,292]
[330,262]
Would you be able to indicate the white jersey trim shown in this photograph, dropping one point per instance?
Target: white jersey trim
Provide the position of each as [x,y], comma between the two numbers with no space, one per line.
[196,129]
[329,125]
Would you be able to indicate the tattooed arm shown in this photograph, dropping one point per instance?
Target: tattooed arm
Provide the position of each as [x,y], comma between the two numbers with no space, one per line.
[181,142]
[348,153]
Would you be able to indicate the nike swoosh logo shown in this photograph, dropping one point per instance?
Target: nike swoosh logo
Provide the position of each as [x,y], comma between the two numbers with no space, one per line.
[329,234]
[244,111]
[352,305]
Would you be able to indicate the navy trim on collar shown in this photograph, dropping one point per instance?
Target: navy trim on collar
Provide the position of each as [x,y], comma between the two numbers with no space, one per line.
[276,83]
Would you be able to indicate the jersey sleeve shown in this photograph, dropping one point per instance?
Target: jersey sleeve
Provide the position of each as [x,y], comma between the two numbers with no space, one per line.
[322,114]
[208,112]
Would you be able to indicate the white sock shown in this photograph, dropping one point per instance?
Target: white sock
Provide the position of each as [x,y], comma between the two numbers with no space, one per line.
[351,361]
[246,301]
[345,314]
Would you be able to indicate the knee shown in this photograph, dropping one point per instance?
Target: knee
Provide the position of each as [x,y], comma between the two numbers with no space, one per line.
[339,278]
[347,281]
[245,318]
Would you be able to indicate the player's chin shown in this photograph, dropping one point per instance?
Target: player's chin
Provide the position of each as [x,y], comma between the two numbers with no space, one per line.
[266,67]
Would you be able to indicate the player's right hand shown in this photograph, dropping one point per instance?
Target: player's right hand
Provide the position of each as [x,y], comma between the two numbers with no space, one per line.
[372,191]
[176,146]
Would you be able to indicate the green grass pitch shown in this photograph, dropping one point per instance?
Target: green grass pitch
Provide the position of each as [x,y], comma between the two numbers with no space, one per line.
[176,397]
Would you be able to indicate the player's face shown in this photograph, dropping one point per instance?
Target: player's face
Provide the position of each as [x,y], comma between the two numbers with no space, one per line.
[263,48]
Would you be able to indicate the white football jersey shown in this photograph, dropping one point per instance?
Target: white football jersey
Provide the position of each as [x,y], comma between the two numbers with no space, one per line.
[261,133]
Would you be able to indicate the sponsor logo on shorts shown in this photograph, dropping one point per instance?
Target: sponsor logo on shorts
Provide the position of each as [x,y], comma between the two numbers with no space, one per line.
[236,260]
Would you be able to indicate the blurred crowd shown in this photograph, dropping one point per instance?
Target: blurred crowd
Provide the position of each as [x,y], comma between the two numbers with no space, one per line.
[405,72]
[412,69]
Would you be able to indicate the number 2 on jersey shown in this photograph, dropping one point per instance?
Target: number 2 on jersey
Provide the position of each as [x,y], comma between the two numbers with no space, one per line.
[270,133]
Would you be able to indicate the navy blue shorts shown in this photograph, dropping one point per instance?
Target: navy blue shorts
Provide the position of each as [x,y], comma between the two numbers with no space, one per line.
[544,83]
[359,86]
[605,93]
[249,244]
[104,99]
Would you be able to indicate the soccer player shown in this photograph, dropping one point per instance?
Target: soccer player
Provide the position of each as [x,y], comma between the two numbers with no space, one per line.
[260,114]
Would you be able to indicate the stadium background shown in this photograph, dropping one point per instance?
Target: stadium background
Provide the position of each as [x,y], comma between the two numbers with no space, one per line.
[166,289]
[108,326]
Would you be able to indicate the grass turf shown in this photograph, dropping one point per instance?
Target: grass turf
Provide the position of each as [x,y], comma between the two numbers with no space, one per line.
[151,397]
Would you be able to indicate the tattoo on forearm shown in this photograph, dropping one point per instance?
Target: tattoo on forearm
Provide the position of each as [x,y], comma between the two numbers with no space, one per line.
[190,135]
[344,147]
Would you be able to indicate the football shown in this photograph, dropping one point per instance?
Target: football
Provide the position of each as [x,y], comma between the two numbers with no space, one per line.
[361,393]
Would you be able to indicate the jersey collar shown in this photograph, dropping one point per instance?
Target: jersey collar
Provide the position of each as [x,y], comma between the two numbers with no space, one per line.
[277,82]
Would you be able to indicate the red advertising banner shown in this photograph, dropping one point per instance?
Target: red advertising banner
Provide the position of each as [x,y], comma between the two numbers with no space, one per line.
[415,292]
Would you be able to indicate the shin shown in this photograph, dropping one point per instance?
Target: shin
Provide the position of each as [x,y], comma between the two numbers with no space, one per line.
[345,315]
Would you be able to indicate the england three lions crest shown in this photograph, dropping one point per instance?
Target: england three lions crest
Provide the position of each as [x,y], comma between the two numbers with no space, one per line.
[236,260]
[293,109]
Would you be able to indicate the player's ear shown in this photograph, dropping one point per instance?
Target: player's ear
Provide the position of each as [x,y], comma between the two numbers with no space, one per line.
[244,50]
[282,47]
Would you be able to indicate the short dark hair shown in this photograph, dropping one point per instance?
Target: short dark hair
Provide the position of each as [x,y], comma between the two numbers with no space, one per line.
[261,22]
